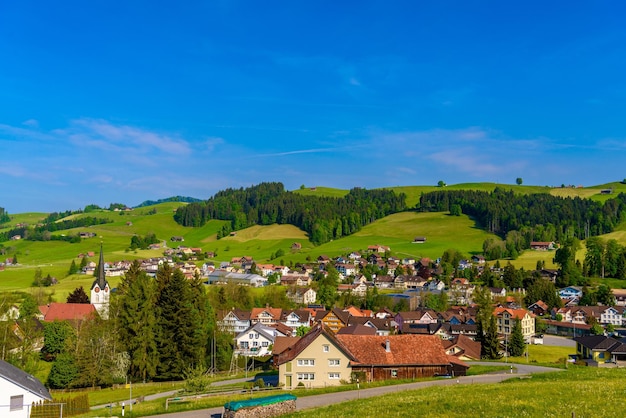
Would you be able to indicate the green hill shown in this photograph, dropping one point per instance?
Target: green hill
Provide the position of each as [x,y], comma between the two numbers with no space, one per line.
[264,242]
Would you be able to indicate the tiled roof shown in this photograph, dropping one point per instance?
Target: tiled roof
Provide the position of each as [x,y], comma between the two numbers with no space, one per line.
[274,312]
[515,313]
[317,331]
[23,380]
[469,348]
[357,329]
[403,349]
[283,343]
[67,311]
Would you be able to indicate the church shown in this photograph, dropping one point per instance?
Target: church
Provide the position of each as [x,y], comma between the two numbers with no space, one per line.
[100,290]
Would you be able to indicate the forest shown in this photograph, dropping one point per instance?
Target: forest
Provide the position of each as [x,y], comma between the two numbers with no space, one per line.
[520,219]
[323,218]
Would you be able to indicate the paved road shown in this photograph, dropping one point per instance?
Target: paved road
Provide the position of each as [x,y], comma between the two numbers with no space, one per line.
[555,340]
[315,401]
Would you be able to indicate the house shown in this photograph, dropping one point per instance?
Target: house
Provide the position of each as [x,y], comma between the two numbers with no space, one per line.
[507,317]
[571,292]
[463,347]
[541,246]
[478,259]
[380,249]
[267,316]
[177,239]
[297,318]
[620,297]
[396,356]
[255,341]
[234,321]
[321,358]
[302,296]
[539,308]
[20,390]
[419,240]
[317,359]
[296,246]
[334,319]
[601,351]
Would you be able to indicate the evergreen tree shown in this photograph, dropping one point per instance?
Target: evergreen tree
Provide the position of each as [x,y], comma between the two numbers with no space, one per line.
[176,324]
[73,268]
[517,344]
[78,296]
[137,322]
[490,347]
[63,372]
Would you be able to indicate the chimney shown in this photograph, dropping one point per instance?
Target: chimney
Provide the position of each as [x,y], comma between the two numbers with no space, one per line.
[387,346]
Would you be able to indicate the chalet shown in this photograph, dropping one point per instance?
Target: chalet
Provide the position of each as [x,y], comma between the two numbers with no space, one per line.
[542,245]
[539,308]
[234,321]
[380,249]
[334,319]
[256,340]
[266,316]
[297,318]
[478,259]
[296,246]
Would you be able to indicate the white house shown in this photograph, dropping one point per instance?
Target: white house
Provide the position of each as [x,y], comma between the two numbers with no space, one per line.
[256,340]
[235,321]
[19,390]
[297,318]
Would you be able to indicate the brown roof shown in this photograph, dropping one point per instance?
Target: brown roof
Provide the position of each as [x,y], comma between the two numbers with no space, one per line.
[469,348]
[274,312]
[403,349]
[357,329]
[318,330]
[67,311]
[283,343]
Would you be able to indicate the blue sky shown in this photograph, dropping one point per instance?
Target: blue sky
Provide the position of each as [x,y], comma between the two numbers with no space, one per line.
[107,101]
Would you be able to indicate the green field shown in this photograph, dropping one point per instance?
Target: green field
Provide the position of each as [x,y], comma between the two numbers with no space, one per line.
[579,392]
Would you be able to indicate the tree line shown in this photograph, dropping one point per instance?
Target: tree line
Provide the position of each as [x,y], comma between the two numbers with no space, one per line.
[43,231]
[523,218]
[323,218]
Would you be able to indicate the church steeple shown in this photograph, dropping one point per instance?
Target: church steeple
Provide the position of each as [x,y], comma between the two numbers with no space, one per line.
[100,290]
[101,280]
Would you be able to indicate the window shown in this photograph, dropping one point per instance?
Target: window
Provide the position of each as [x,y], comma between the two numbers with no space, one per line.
[333,362]
[255,343]
[334,376]
[326,348]
[394,373]
[306,362]
[251,336]
[265,344]
[306,376]
[17,403]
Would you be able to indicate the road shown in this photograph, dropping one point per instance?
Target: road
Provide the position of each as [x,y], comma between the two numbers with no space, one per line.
[316,401]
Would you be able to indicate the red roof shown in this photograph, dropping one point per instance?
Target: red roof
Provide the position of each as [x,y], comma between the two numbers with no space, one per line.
[404,349]
[67,311]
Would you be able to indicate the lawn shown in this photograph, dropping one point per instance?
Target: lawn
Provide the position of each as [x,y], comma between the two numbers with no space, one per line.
[580,391]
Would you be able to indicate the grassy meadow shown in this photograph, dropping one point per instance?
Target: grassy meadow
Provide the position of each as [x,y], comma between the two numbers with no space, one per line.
[580,392]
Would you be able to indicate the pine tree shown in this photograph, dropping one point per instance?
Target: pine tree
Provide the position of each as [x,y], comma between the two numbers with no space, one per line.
[517,344]
[176,325]
[137,322]
[490,348]
[73,268]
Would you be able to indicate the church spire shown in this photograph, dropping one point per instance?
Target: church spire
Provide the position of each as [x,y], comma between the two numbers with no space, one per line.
[101,280]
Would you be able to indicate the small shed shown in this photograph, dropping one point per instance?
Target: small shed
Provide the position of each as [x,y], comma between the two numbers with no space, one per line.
[419,240]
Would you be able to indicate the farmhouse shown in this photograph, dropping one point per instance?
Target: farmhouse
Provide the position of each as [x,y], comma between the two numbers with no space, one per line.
[541,246]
